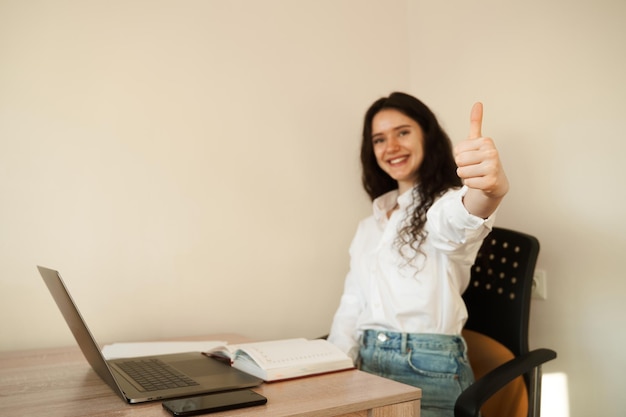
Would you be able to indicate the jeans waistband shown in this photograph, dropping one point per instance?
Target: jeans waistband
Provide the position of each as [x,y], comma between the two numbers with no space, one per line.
[407,341]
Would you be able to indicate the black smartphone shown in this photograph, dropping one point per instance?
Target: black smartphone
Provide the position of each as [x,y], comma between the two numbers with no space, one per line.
[211,403]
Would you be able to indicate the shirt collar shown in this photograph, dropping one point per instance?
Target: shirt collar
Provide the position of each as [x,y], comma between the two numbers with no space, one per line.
[388,201]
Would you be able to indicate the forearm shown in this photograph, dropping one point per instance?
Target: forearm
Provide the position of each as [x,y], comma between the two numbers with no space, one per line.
[482,204]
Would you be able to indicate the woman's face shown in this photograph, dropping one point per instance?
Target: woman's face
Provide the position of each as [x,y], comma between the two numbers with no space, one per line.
[398,143]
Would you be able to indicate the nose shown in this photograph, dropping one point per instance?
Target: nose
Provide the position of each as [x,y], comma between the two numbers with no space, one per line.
[392,144]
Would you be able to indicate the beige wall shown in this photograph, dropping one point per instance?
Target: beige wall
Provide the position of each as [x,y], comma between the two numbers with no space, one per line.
[197,160]
[551,76]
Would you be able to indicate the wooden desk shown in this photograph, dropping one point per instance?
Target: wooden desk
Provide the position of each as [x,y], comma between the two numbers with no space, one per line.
[60,382]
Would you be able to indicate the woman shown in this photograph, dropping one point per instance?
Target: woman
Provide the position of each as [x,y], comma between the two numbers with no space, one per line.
[401,313]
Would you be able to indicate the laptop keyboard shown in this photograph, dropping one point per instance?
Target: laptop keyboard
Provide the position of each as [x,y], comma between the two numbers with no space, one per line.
[154,375]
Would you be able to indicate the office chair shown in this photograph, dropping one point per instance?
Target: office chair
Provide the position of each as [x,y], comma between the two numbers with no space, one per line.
[496,332]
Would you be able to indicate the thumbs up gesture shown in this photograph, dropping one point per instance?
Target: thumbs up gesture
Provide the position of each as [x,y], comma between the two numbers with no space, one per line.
[480,168]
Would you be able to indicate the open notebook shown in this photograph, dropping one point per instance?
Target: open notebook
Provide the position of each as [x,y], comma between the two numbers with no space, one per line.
[270,360]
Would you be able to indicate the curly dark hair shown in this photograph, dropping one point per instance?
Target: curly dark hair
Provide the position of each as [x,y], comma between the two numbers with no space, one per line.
[436,174]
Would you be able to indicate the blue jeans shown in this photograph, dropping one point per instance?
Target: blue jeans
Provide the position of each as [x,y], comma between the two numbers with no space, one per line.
[435,363]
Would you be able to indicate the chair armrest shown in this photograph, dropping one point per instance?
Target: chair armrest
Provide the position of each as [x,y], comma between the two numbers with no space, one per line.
[471,400]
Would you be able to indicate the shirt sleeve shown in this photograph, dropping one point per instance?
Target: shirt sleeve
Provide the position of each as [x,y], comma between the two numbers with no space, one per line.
[343,331]
[450,225]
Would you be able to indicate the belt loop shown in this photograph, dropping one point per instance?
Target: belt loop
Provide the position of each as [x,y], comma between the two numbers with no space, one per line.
[404,343]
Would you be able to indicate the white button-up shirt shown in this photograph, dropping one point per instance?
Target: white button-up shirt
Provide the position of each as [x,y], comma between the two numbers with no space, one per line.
[385,291]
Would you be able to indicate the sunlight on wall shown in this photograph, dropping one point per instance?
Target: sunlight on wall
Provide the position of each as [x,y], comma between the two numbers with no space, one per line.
[554,395]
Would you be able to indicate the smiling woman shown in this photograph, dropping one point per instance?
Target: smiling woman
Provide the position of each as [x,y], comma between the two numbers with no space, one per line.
[398,146]
[401,313]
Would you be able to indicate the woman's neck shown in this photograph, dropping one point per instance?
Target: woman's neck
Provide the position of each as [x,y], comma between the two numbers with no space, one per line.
[404,186]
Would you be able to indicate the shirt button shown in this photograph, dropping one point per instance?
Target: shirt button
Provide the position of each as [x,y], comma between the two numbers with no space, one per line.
[382,337]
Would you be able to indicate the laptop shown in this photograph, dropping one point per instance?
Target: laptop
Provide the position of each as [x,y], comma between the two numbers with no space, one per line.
[185,374]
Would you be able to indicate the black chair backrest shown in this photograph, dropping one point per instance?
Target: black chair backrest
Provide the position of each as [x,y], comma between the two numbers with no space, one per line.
[499,293]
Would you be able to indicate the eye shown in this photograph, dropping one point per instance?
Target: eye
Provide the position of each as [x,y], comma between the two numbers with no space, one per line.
[377,140]
[404,132]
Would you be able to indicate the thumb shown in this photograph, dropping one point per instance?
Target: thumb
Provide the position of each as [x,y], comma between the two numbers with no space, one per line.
[476,121]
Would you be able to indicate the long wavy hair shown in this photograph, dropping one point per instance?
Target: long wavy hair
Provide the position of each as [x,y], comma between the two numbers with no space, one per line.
[436,174]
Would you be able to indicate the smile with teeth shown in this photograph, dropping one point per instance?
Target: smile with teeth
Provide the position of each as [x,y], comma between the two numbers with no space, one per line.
[398,160]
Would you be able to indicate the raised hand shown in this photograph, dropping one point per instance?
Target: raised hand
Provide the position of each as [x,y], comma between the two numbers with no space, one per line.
[480,168]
